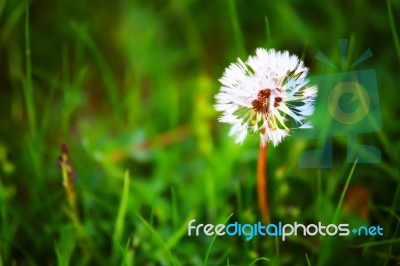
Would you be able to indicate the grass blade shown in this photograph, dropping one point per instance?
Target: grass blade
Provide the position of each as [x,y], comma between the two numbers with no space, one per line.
[120,221]
[28,87]
[236,29]
[212,242]
[393,28]
[308,260]
[160,241]
[259,259]
[339,206]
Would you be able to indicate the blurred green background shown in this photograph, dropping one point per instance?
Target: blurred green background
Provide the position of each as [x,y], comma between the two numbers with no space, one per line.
[129,87]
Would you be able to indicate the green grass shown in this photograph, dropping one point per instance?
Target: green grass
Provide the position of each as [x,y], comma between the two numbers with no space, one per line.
[129,87]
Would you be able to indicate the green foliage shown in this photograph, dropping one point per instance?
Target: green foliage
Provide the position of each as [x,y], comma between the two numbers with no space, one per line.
[129,86]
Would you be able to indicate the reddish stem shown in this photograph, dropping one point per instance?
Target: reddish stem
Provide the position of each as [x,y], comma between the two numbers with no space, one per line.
[262,186]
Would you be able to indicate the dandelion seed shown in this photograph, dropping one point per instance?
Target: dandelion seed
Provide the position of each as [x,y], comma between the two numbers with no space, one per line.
[259,96]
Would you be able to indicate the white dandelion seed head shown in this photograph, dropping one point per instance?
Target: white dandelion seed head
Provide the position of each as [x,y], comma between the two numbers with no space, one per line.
[259,96]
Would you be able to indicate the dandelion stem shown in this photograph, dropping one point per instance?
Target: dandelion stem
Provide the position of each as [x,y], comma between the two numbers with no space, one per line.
[262,187]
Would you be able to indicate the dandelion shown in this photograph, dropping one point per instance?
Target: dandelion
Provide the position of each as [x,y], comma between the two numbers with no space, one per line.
[259,95]
[267,94]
